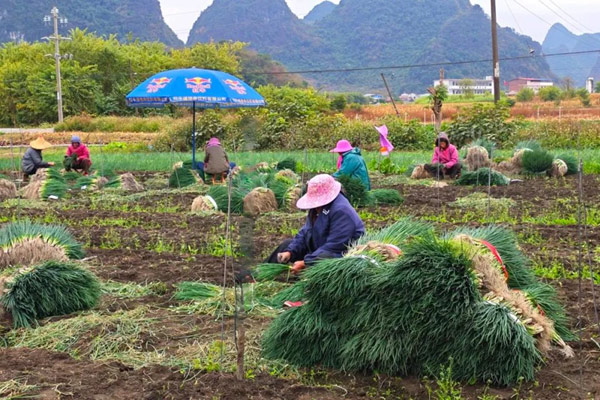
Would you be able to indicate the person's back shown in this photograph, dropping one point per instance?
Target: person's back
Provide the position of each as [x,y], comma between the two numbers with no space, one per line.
[215,160]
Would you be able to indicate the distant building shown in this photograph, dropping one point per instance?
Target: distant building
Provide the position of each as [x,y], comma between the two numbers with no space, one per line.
[474,86]
[589,85]
[536,84]
[374,98]
[408,97]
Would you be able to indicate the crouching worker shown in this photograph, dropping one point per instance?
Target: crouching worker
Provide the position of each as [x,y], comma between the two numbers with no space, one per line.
[32,160]
[78,157]
[331,226]
[216,163]
[351,163]
[445,159]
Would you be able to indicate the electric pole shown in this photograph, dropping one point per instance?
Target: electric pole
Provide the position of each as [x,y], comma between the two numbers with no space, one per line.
[495,54]
[56,38]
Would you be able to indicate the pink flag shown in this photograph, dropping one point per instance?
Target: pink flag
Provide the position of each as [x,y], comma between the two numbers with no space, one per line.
[386,145]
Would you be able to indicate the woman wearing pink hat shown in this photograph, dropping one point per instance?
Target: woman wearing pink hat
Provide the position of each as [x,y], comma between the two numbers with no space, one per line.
[216,162]
[332,224]
[351,163]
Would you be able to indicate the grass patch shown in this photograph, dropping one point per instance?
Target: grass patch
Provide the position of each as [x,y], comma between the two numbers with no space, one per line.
[16,389]
[133,290]
[480,202]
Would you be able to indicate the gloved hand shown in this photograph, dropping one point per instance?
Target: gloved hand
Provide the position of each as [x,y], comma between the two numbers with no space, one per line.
[298,266]
[284,257]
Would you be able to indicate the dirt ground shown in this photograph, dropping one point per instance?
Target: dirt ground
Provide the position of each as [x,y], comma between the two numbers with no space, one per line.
[168,245]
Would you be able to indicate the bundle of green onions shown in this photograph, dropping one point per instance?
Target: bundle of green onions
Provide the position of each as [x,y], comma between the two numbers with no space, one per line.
[440,300]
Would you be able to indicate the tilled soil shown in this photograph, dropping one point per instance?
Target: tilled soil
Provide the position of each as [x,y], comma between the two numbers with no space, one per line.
[172,246]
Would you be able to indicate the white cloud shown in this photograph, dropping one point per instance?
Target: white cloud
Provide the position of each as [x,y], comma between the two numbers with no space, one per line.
[582,14]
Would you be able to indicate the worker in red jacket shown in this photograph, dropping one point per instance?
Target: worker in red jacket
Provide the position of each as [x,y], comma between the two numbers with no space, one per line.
[445,159]
[78,156]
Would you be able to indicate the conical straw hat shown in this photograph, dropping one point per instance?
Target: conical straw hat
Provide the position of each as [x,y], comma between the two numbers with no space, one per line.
[40,144]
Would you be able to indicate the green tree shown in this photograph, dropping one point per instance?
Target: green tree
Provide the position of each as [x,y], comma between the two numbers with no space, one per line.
[550,93]
[339,103]
[466,86]
[482,120]
[584,96]
[598,87]
[525,94]
[568,86]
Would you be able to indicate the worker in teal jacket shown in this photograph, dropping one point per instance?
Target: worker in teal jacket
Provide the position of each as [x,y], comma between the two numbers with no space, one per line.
[351,163]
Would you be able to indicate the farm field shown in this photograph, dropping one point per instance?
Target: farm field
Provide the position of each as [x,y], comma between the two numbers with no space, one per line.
[140,342]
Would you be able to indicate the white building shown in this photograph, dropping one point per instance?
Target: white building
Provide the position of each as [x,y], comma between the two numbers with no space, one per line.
[589,85]
[474,86]
[535,84]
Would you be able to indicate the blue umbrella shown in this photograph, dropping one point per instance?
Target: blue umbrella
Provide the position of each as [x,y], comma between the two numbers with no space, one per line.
[196,88]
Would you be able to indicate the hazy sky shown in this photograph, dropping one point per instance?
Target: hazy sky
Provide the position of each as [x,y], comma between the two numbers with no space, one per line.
[530,17]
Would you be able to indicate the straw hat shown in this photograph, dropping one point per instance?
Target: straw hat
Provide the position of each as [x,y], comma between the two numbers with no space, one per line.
[40,144]
[322,190]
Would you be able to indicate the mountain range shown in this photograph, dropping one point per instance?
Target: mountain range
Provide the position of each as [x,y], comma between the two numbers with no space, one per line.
[352,35]
[578,67]
[23,20]
[365,33]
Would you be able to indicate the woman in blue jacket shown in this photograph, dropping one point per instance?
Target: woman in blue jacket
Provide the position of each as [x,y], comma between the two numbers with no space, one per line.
[331,226]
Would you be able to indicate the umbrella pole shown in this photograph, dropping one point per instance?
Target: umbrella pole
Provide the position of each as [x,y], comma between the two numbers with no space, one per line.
[194,135]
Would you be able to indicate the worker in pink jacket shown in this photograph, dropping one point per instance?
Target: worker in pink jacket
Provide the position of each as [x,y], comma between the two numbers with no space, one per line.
[445,159]
[78,156]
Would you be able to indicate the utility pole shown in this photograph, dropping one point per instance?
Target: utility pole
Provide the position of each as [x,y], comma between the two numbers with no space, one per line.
[495,53]
[56,38]
[390,94]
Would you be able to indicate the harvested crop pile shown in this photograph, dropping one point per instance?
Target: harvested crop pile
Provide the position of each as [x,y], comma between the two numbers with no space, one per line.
[559,169]
[477,157]
[572,163]
[287,163]
[220,195]
[126,182]
[203,204]
[260,201]
[287,175]
[182,177]
[8,190]
[441,301]
[51,289]
[25,243]
[537,161]
[385,197]
[482,177]
[354,190]
[419,172]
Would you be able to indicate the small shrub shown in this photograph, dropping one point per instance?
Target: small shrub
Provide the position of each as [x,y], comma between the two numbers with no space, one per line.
[550,93]
[525,94]
[386,197]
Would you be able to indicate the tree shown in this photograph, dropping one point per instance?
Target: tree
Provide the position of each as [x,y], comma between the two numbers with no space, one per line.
[466,86]
[598,87]
[584,96]
[525,94]
[568,88]
[339,103]
[550,93]
[437,96]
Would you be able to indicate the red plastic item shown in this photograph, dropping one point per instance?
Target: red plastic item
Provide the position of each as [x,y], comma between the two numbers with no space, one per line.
[292,304]
[497,255]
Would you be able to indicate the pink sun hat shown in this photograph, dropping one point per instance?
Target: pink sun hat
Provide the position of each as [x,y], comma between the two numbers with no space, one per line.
[213,142]
[322,190]
[342,147]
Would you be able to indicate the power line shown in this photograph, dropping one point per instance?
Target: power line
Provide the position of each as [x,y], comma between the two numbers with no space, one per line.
[514,17]
[439,64]
[568,15]
[558,15]
[533,13]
